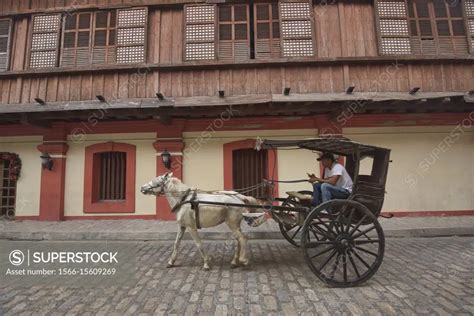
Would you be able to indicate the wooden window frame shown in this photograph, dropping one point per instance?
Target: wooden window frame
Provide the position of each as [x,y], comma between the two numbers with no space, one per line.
[187,41]
[468,37]
[145,35]
[6,66]
[310,19]
[403,39]
[433,19]
[233,23]
[92,204]
[74,50]
[110,51]
[468,12]
[274,52]
[31,34]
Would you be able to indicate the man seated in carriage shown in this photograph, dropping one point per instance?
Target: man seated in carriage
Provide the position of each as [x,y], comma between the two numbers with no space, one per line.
[336,183]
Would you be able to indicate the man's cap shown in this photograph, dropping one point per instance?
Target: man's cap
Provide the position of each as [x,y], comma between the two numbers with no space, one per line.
[326,156]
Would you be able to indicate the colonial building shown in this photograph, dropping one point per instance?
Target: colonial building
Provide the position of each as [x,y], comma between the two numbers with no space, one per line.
[101,89]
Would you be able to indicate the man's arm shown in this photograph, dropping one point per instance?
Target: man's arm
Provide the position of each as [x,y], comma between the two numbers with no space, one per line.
[331,180]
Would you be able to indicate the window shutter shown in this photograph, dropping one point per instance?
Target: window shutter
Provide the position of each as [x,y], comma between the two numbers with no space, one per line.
[267,30]
[131,35]
[392,25]
[45,40]
[296,28]
[234,35]
[200,32]
[469,11]
[5,34]
[76,41]
[103,42]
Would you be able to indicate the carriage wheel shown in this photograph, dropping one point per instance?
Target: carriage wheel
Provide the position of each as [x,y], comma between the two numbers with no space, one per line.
[292,232]
[343,243]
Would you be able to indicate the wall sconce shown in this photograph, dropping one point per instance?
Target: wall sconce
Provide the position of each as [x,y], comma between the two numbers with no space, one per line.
[166,159]
[46,161]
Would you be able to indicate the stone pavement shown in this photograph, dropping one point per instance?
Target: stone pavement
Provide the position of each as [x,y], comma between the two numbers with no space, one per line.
[430,276]
[166,230]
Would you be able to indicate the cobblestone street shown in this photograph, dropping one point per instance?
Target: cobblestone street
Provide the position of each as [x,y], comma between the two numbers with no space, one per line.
[432,276]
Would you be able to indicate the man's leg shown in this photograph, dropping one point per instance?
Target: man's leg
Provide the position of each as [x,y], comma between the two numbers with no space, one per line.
[316,194]
[330,192]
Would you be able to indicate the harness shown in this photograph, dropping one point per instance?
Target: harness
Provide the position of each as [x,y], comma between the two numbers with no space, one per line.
[194,204]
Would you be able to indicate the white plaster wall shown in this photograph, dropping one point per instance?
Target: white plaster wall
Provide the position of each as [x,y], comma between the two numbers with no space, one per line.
[420,179]
[29,183]
[204,157]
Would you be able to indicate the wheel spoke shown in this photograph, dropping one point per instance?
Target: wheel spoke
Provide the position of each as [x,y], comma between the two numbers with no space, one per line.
[354,266]
[293,237]
[349,221]
[321,232]
[368,241]
[314,244]
[367,251]
[360,258]
[288,229]
[344,267]
[358,224]
[334,268]
[315,235]
[363,232]
[322,252]
[327,260]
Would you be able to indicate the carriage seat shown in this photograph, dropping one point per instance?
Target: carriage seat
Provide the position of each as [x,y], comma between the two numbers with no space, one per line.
[304,199]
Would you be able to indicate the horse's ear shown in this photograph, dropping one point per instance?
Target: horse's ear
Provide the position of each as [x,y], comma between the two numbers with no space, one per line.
[170,174]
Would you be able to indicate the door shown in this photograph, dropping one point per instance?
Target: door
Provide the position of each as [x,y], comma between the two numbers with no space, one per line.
[249,168]
[7,190]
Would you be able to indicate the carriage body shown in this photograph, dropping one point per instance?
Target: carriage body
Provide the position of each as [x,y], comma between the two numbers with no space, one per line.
[341,240]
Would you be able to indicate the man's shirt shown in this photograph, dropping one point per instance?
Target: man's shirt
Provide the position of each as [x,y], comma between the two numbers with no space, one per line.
[344,180]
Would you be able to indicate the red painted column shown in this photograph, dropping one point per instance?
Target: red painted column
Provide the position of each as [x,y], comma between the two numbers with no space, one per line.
[53,181]
[175,147]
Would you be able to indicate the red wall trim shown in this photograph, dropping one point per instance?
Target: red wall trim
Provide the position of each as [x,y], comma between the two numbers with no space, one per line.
[53,183]
[244,123]
[163,210]
[272,167]
[90,203]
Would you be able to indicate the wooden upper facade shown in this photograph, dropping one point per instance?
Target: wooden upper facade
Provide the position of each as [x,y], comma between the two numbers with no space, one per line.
[72,50]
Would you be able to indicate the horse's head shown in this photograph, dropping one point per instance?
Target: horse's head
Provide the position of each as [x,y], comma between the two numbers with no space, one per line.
[157,186]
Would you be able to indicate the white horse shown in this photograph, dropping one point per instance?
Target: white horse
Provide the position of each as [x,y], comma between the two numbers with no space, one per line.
[209,215]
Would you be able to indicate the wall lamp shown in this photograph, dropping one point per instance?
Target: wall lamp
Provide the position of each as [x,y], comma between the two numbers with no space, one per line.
[350,90]
[46,161]
[286,91]
[166,159]
[221,93]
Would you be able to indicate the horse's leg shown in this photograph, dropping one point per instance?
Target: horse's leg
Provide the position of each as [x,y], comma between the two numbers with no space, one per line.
[235,260]
[234,225]
[181,231]
[197,240]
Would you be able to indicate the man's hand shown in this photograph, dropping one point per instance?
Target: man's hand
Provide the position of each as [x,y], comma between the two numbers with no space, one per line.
[313,178]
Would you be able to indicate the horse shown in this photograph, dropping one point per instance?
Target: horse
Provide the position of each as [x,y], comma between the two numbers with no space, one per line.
[209,215]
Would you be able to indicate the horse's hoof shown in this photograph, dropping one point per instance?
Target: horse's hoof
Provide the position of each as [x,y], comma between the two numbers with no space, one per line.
[245,263]
[206,268]
[169,265]
[234,266]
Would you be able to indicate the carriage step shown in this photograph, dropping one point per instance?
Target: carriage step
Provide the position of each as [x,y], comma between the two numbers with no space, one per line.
[301,197]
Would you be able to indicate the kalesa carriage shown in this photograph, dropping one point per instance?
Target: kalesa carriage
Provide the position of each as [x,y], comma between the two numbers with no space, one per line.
[341,240]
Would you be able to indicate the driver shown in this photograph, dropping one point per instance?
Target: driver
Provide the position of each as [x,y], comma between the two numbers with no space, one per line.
[337,184]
